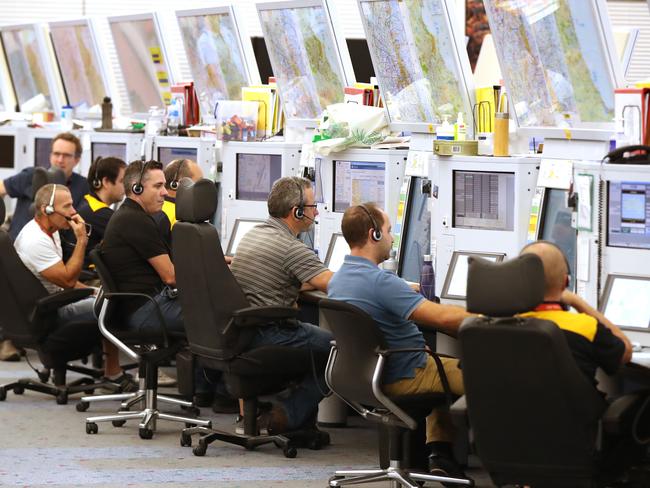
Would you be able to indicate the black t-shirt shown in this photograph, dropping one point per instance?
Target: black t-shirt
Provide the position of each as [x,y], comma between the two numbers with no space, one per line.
[130,240]
[97,214]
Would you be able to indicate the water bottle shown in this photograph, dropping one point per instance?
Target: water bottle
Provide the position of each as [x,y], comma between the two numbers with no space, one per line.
[173,119]
[390,264]
[428,280]
[107,113]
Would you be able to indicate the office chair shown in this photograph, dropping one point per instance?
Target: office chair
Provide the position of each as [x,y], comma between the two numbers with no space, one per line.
[149,349]
[219,323]
[29,320]
[354,373]
[534,415]
[42,177]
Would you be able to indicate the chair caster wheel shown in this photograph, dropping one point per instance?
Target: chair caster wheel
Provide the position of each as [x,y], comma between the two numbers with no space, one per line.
[118,423]
[290,452]
[91,428]
[334,478]
[82,406]
[145,433]
[315,445]
[186,440]
[3,394]
[200,449]
[44,376]
[62,398]
[19,389]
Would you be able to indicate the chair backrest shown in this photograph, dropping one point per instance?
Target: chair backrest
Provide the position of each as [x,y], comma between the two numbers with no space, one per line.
[208,291]
[19,292]
[533,412]
[42,177]
[3,211]
[358,339]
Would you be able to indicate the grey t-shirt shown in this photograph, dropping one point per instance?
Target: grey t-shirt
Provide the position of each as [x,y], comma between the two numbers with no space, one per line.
[271,264]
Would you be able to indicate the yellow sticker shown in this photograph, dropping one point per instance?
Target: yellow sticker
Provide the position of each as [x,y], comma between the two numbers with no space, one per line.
[167,97]
[156,55]
[567,134]
[163,78]
[431,129]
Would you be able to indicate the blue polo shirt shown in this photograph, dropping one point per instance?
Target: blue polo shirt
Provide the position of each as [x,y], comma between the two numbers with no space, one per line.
[390,302]
[20,186]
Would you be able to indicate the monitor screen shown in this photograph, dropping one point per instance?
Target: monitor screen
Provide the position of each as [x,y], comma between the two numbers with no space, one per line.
[79,64]
[108,150]
[628,214]
[26,67]
[239,230]
[256,174]
[484,200]
[305,59]
[336,252]
[42,149]
[7,153]
[143,67]
[215,56]
[555,226]
[356,182]
[455,286]
[625,301]
[168,154]
[415,231]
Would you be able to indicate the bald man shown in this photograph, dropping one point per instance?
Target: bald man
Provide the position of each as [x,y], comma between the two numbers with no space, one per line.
[594,340]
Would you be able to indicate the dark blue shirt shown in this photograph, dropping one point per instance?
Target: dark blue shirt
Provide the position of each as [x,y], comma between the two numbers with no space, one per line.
[19,186]
[390,302]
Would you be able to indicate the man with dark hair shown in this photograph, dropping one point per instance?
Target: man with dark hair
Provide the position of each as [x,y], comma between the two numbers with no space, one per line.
[396,307]
[272,265]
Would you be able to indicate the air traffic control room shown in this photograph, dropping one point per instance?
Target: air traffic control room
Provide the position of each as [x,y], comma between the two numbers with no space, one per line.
[309,243]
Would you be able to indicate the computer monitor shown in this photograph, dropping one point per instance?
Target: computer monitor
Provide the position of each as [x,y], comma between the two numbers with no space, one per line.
[239,230]
[7,153]
[555,226]
[356,182]
[168,154]
[625,301]
[108,150]
[79,63]
[628,214]
[336,252]
[256,174]
[483,200]
[455,286]
[415,231]
[42,150]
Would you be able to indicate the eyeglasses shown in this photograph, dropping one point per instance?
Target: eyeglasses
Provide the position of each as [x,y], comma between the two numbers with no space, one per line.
[63,155]
[310,206]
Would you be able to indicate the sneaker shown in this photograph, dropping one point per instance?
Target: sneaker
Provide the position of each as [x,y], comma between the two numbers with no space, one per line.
[440,465]
[125,382]
[8,351]
[165,380]
[273,422]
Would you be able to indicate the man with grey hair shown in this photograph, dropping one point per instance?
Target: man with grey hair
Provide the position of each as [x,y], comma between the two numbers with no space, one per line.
[272,266]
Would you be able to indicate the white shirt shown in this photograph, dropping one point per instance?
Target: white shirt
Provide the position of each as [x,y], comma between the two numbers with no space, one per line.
[38,251]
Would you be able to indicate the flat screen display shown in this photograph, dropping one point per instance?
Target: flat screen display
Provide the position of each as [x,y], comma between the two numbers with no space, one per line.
[415,234]
[168,154]
[357,182]
[628,214]
[240,229]
[7,151]
[455,286]
[556,226]
[625,301]
[42,149]
[108,150]
[484,200]
[256,174]
[336,252]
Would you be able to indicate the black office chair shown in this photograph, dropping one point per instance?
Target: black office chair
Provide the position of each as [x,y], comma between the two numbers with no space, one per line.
[354,373]
[148,350]
[534,415]
[42,177]
[219,323]
[29,320]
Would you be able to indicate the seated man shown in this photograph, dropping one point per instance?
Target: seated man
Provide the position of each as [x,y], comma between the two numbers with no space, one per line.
[39,246]
[106,178]
[174,171]
[396,307]
[271,266]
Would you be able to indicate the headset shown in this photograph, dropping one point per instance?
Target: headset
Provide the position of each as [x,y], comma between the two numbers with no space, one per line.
[299,211]
[49,208]
[137,187]
[173,184]
[97,183]
[376,231]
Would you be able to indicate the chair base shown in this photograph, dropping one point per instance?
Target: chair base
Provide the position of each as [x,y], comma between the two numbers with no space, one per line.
[61,393]
[147,416]
[129,400]
[312,438]
[397,476]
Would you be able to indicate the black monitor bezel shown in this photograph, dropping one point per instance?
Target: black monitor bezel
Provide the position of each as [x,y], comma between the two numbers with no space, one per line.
[8,161]
[404,224]
[452,266]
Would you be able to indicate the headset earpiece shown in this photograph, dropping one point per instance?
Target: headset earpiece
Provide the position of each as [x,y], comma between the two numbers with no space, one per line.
[174,183]
[299,211]
[137,187]
[97,183]
[49,208]
[376,231]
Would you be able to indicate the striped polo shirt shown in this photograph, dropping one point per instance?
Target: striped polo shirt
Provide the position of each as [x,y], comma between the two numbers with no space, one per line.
[271,264]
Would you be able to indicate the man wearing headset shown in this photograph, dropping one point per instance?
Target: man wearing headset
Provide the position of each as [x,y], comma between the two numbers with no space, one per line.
[174,171]
[39,248]
[396,307]
[272,265]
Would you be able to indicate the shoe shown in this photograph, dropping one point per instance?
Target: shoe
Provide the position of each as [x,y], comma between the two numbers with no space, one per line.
[165,380]
[224,404]
[8,351]
[273,422]
[440,465]
[125,382]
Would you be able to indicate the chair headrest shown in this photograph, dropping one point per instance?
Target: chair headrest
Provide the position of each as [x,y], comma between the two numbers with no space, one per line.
[196,201]
[507,288]
[42,177]
[3,211]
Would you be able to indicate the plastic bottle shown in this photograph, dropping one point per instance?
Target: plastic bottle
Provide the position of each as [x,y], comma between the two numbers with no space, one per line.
[173,119]
[107,113]
[460,130]
[66,118]
[618,138]
[428,279]
[445,132]
[390,264]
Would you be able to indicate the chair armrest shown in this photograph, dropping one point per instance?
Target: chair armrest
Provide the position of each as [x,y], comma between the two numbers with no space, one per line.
[260,316]
[613,421]
[56,300]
